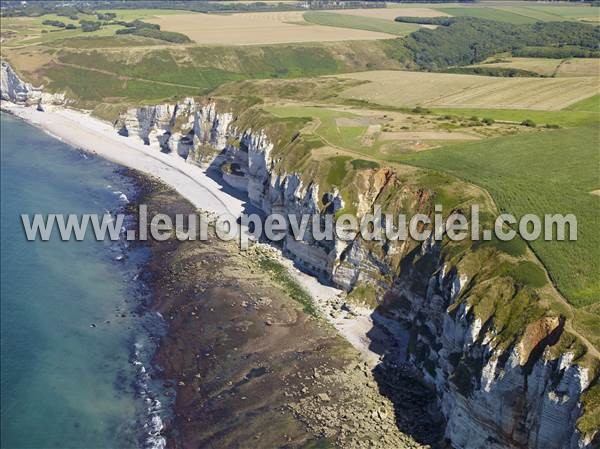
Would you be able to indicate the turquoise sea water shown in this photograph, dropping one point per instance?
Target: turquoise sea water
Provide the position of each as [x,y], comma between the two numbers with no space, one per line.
[70,377]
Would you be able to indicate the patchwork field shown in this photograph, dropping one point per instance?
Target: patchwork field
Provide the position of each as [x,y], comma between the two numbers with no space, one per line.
[399,88]
[551,67]
[257,28]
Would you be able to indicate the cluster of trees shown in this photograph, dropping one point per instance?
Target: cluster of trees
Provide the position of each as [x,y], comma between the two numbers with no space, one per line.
[87,26]
[145,29]
[106,16]
[443,21]
[168,36]
[54,23]
[59,24]
[130,27]
[469,40]
[560,52]
[493,71]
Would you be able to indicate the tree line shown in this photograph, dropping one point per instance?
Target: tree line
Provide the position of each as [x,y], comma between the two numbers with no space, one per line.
[469,40]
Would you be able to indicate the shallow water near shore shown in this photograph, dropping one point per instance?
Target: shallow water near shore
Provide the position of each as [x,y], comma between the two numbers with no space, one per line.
[74,353]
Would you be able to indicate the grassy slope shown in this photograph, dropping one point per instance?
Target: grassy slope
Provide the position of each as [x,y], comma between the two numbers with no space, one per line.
[360,23]
[153,74]
[543,173]
[511,182]
[342,136]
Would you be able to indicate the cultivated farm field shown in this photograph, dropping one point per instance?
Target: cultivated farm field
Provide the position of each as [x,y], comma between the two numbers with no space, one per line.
[540,173]
[400,88]
[551,67]
[358,22]
[258,28]
[392,13]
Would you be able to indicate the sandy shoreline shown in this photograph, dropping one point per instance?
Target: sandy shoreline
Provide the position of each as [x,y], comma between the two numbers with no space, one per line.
[87,133]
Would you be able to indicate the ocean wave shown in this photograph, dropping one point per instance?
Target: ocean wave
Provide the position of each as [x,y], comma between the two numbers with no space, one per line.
[153,423]
[121,195]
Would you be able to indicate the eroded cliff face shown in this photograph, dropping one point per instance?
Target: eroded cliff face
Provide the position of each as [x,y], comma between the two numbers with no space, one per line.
[15,90]
[191,130]
[493,395]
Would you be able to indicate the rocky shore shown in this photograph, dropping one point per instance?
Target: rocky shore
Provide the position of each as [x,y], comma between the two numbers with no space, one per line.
[251,368]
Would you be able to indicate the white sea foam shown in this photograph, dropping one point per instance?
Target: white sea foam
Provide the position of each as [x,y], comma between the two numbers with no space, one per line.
[153,424]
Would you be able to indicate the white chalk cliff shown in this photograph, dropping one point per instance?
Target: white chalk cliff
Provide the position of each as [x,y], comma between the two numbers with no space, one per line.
[15,90]
[491,398]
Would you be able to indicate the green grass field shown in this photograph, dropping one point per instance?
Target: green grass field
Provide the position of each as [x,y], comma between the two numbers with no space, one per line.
[97,87]
[591,104]
[161,70]
[540,173]
[540,13]
[328,129]
[360,23]
[569,12]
